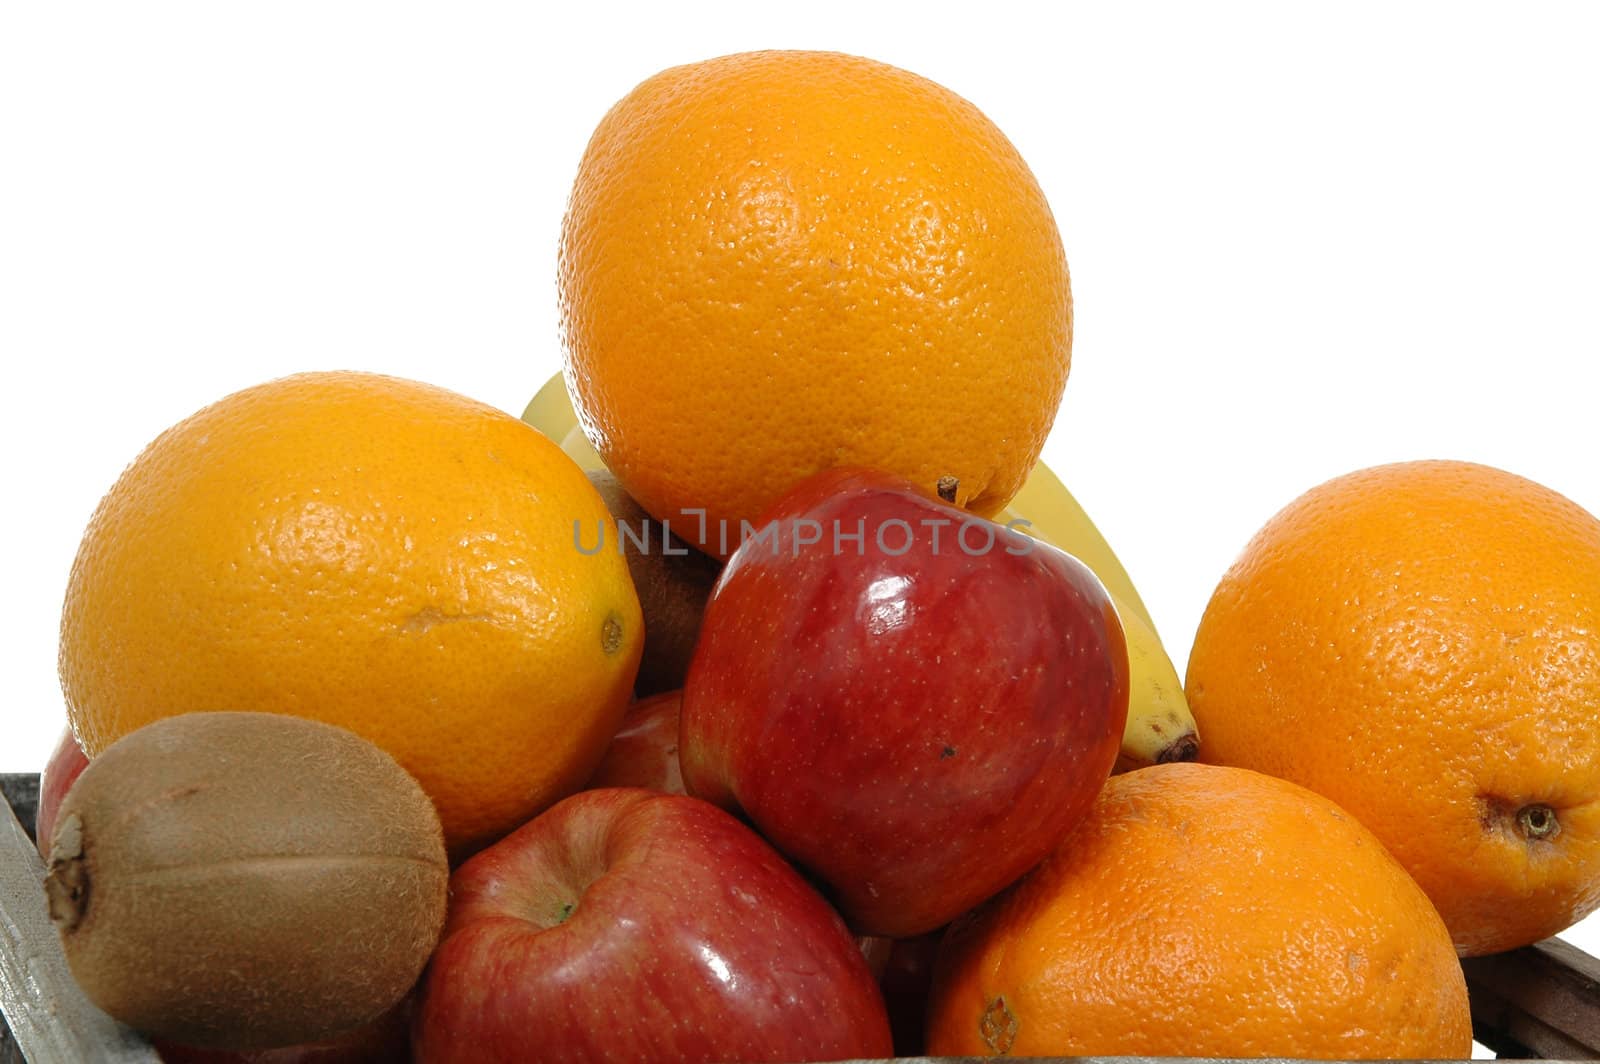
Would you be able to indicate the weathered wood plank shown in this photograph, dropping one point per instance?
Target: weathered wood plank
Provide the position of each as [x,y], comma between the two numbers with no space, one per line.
[47,1015]
[1544,998]
[22,793]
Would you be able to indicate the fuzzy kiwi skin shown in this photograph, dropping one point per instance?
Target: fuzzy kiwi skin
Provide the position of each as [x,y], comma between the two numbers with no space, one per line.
[673,588]
[246,880]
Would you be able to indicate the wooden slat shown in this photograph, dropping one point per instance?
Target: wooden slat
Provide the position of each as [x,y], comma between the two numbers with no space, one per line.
[1544,999]
[48,1017]
[21,792]
[9,1053]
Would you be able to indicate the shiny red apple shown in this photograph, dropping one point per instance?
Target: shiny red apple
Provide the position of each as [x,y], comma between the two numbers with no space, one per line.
[626,925]
[911,703]
[66,764]
[644,752]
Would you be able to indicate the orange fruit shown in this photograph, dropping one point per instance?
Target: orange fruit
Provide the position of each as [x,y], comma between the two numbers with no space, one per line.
[375,553]
[1420,642]
[778,262]
[1208,912]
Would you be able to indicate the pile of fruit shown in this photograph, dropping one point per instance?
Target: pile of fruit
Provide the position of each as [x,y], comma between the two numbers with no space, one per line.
[767,700]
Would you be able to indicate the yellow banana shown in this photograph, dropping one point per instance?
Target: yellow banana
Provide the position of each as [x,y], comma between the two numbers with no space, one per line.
[550,411]
[1160,727]
[1054,516]
[580,450]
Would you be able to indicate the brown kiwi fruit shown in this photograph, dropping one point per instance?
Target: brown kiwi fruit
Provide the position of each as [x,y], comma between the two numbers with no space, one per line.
[246,880]
[673,581]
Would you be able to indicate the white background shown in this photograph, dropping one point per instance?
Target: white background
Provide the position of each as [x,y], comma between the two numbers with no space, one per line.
[1303,240]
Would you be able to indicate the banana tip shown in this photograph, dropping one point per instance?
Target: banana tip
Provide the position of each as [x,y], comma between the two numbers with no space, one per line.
[1185,747]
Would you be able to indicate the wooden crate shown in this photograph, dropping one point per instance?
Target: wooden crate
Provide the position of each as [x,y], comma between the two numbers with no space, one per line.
[1542,1002]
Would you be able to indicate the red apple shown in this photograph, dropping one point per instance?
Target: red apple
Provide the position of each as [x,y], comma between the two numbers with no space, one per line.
[644,752]
[66,764]
[911,703]
[626,925]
